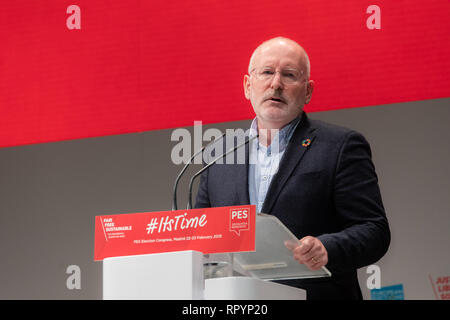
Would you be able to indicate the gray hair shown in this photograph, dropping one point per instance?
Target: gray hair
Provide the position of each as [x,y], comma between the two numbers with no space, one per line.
[306,58]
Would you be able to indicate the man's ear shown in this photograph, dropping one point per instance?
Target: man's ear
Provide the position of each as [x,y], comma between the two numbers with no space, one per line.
[247,86]
[309,91]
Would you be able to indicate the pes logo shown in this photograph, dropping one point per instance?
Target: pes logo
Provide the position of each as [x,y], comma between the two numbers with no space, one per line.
[239,220]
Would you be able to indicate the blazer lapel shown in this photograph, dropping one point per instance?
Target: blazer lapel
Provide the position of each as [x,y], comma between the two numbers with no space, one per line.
[298,145]
[241,175]
[238,173]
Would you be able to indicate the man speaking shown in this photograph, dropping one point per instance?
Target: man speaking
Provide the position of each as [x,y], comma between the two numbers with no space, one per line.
[317,178]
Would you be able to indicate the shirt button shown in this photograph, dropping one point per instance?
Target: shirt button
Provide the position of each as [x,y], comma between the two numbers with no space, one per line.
[264,178]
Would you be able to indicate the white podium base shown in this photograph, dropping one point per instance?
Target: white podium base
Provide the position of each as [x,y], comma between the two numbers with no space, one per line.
[244,288]
[170,275]
[179,276]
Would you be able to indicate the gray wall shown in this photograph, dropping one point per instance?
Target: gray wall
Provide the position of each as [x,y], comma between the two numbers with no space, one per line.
[50,194]
[411,152]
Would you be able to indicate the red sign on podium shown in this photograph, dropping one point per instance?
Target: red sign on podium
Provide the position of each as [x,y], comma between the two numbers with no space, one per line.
[208,230]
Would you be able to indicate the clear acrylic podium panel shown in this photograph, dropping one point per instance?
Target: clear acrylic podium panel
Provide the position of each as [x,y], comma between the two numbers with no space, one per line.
[271,260]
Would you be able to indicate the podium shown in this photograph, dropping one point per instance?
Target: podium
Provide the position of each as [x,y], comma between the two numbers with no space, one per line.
[180,275]
[161,277]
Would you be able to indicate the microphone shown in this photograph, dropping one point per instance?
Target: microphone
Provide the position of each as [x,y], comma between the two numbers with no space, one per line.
[175,186]
[211,163]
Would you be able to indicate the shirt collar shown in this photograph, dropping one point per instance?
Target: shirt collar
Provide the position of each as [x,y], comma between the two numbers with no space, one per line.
[280,141]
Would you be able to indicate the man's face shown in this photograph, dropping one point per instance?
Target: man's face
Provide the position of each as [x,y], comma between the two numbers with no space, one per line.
[276,100]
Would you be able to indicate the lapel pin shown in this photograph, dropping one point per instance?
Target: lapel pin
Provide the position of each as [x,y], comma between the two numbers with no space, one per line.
[306,142]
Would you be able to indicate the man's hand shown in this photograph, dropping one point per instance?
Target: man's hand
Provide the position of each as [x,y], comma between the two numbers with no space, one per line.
[310,252]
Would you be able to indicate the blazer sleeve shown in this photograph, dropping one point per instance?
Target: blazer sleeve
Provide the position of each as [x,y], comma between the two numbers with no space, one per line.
[202,200]
[365,236]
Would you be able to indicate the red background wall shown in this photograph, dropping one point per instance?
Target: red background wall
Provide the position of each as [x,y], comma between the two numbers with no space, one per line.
[145,65]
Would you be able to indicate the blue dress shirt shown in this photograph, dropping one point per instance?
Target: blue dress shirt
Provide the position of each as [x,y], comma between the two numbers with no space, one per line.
[264,161]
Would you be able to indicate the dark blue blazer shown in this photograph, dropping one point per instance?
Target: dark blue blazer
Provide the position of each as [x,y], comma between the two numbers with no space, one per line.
[327,189]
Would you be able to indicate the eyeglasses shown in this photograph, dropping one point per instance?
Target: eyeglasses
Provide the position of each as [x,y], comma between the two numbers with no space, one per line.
[287,76]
